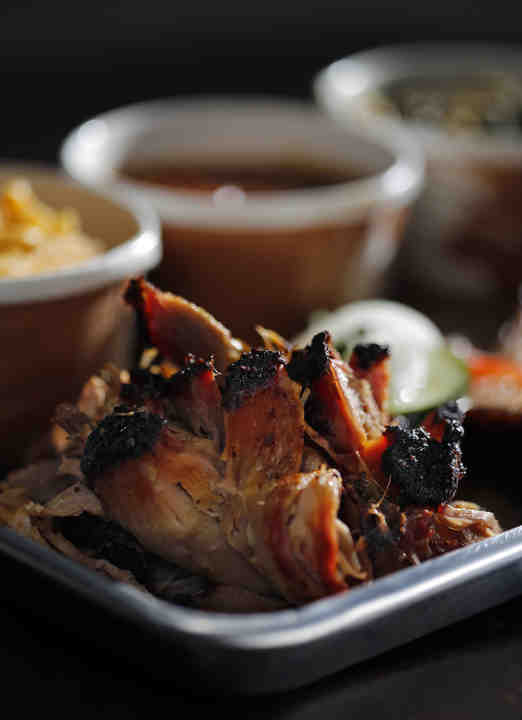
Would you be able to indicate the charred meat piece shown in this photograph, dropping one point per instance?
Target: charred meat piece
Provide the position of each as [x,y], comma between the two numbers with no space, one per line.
[264,421]
[283,520]
[263,515]
[190,397]
[394,537]
[381,541]
[107,540]
[444,423]
[427,533]
[374,521]
[121,435]
[168,499]
[426,471]
[38,499]
[103,539]
[371,362]
[341,406]
[312,362]
[424,463]
[176,326]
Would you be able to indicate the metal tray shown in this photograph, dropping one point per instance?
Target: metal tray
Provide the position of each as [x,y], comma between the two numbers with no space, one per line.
[264,653]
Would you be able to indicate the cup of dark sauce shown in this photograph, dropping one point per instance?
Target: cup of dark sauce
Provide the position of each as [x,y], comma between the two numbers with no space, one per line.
[269,210]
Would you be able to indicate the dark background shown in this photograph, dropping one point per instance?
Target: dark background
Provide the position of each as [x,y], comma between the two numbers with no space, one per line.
[61,62]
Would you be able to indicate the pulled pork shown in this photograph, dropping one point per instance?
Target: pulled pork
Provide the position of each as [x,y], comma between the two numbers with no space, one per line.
[236,478]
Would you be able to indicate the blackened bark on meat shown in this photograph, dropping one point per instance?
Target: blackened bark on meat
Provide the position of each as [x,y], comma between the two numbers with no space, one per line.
[377,533]
[118,437]
[310,363]
[368,354]
[194,400]
[382,542]
[106,540]
[145,385]
[341,405]
[426,471]
[254,371]
[374,521]
[450,417]
[371,362]
[194,368]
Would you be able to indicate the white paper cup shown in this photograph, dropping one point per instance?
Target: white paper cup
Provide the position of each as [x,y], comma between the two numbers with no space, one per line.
[57,328]
[464,242]
[265,257]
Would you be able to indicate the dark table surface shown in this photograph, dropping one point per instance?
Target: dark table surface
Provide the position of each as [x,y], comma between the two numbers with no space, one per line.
[470,670]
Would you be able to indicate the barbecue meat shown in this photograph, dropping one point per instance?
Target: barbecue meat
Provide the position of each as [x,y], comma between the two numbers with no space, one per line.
[167,498]
[424,462]
[274,476]
[178,327]
[280,475]
[426,533]
[283,520]
[342,405]
[370,362]
[264,422]
[189,397]
[249,516]
[392,537]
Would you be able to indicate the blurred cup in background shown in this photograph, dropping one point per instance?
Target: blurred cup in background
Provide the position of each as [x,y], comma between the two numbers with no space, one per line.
[269,210]
[58,327]
[462,104]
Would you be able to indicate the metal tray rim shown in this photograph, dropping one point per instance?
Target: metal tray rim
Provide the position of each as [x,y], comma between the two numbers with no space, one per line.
[279,628]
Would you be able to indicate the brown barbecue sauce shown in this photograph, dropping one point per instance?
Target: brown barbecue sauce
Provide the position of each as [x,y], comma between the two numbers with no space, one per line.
[248,178]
